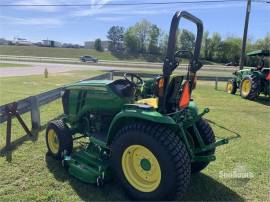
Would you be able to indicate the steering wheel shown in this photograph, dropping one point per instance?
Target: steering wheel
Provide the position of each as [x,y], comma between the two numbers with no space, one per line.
[139,82]
[179,54]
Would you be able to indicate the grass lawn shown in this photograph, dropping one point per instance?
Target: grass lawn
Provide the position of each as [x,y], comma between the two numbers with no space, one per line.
[71,53]
[28,174]
[202,72]
[7,65]
[15,88]
[54,52]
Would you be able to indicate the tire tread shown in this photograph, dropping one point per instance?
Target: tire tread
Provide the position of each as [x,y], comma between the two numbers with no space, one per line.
[176,150]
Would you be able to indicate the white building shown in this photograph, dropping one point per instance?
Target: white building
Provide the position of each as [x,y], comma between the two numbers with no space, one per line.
[51,43]
[22,42]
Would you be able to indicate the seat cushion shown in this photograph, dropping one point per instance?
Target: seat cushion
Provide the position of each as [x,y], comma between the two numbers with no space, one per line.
[153,102]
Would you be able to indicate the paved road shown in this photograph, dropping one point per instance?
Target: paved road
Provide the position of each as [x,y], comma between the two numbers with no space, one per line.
[36,68]
[73,60]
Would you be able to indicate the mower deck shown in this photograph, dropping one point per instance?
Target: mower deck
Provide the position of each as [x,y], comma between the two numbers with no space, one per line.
[89,164]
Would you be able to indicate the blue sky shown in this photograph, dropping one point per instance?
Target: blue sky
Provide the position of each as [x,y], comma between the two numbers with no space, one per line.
[79,24]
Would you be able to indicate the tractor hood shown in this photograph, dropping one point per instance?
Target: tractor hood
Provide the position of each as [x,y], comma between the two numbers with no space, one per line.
[246,70]
[90,83]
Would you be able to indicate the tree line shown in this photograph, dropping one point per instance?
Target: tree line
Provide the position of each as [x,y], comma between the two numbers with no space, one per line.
[148,41]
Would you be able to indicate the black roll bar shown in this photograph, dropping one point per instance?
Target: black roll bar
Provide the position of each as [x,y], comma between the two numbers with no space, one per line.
[169,63]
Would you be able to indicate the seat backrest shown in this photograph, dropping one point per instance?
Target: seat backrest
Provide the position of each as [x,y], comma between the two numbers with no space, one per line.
[122,88]
[173,92]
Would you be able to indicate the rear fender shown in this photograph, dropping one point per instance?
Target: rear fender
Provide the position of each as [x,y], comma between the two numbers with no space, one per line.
[127,116]
[259,74]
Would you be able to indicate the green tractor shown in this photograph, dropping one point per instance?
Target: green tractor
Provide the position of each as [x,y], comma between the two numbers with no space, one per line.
[253,81]
[148,134]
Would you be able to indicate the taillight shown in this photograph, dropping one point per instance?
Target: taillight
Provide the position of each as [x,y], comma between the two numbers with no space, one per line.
[268,77]
[160,86]
[161,83]
[185,97]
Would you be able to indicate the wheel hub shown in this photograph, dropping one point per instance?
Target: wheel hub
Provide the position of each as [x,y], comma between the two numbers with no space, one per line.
[53,141]
[229,87]
[246,87]
[141,168]
[145,164]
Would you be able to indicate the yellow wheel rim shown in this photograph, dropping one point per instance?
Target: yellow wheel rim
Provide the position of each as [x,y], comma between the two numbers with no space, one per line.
[141,168]
[229,87]
[53,141]
[246,86]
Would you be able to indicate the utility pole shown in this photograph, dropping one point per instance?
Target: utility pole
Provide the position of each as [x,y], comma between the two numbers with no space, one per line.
[244,41]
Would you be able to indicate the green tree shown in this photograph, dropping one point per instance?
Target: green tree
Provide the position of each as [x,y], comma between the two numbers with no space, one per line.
[229,50]
[214,44]
[144,37]
[164,37]
[115,36]
[131,40]
[186,40]
[98,45]
[142,30]
[235,48]
[263,43]
[205,45]
[153,42]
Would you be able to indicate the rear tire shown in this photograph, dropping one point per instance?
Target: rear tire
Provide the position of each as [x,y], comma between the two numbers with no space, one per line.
[208,137]
[231,86]
[167,153]
[58,139]
[250,87]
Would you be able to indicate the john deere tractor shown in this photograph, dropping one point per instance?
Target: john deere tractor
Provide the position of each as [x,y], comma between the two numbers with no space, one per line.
[149,135]
[252,81]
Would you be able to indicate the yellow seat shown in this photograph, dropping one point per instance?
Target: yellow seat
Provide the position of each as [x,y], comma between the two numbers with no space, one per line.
[153,102]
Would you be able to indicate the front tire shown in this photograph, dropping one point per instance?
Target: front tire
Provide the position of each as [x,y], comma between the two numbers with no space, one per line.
[58,139]
[250,87]
[151,162]
[231,86]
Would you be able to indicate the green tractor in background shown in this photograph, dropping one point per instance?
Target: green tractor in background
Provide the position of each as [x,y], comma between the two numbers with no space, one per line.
[148,134]
[253,81]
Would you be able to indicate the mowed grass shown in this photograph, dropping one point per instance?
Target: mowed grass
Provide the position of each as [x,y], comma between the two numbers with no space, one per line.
[7,65]
[27,173]
[54,52]
[182,71]
[15,88]
[73,53]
